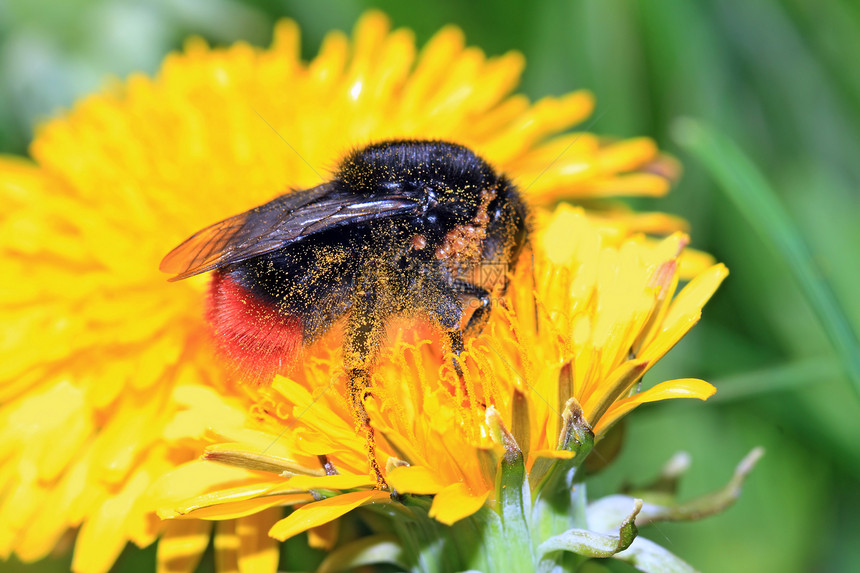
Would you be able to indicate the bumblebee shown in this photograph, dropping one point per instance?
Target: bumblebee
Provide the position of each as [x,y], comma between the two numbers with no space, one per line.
[405,227]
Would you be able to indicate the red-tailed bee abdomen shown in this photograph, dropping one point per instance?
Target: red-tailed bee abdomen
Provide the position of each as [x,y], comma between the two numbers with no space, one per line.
[257,340]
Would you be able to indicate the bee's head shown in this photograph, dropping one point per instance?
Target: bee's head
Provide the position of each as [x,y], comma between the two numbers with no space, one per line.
[442,173]
[460,193]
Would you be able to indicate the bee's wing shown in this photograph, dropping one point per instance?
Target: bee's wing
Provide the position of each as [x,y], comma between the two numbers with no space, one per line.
[282,221]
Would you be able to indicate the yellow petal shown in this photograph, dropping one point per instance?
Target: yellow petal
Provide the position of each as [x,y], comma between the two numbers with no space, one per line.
[415,479]
[556,237]
[341,481]
[103,536]
[681,388]
[324,536]
[638,184]
[258,551]
[694,296]
[320,512]
[693,262]
[218,509]
[51,424]
[194,478]
[628,154]
[456,502]
[226,547]
[257,490]
[255,444]
[684,312]
[134,425]
[203,405]
[554,454]
[44,529]
[182,545]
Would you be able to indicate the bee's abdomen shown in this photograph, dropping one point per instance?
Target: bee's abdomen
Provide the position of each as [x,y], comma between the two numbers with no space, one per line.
[253,336]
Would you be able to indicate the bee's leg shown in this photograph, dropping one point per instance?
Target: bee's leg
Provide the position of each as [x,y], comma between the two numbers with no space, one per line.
[478,319]
[473,326]
[359,382]
[481,315]
[364,330]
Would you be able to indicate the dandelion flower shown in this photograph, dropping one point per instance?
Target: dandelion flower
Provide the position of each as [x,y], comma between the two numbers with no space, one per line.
[108,381]
[576,343]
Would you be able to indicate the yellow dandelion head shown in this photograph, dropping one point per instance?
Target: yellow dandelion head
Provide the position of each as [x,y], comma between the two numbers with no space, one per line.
[108,380]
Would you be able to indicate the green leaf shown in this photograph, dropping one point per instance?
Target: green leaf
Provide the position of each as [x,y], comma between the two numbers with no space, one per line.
[594,544]
[670,476]
[606,511]
[749,384]
[365,551]
[751,193]
[645,555]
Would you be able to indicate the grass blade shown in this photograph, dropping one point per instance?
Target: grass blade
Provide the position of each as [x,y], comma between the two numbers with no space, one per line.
[758,203]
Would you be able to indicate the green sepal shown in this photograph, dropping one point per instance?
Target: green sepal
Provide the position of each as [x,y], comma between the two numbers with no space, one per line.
[513,499]
[593,544]
[576,436]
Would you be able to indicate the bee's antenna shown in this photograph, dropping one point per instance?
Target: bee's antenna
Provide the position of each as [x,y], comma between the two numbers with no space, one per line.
[563,151]
[287,142]
[534,287]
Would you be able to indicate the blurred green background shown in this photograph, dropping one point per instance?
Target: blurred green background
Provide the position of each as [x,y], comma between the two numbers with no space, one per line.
[779,78]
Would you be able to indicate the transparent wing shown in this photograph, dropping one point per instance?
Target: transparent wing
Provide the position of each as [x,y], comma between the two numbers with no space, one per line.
[284,220]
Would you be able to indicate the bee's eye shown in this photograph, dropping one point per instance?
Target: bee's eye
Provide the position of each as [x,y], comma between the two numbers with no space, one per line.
[430,199]
[391,185]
